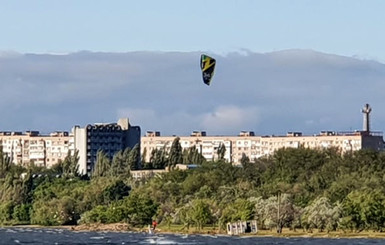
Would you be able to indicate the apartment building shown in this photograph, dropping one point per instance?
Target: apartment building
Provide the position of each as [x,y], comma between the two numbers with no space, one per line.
[32,147]
[258,146]
[108,137]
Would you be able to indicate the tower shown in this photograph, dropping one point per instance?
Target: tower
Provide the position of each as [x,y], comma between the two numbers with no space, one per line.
[366,111]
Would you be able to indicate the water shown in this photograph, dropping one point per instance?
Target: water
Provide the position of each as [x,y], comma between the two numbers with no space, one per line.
[44,236]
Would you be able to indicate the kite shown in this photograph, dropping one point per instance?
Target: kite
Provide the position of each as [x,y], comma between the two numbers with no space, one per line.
[207,66]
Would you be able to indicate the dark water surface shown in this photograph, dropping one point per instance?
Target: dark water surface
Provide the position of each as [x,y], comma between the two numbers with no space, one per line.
[31,236]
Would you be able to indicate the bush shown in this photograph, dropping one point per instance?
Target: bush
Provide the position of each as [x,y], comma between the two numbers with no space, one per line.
[21,213]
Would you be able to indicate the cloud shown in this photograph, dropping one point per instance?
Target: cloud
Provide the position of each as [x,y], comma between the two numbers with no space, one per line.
[174,123]
[270,93]
[138,116]
[224,119]
[230,119]
[9,54]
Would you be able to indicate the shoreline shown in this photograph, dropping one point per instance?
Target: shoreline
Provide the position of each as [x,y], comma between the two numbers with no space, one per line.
[124,227]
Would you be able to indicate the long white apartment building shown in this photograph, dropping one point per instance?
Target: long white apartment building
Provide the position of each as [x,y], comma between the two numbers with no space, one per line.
[32,147]
[258,146]
[255,147]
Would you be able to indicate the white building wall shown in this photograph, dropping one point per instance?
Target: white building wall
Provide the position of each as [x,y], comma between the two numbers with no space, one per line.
[80,144]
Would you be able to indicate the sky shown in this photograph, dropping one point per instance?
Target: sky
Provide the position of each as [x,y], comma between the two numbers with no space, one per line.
[344,27]
[281,65]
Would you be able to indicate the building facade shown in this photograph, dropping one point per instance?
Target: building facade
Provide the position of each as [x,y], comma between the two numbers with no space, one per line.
[108,137]
[32,147]
[255,147]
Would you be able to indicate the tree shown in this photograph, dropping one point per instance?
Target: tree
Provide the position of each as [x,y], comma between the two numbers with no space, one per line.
[245,160]
[145,164]
[365,209]
[321,214]
[119,165]
[55,212]
[192,156]
[70,165]
[268,215]
[200,213]
[176,154]
[182,215]
[134,158]
[5,163]
[158,158]
[102,165]
[21,213]
[115,191]
[140,208]
[27,187]
[241,209]
[6,210]
[221,151]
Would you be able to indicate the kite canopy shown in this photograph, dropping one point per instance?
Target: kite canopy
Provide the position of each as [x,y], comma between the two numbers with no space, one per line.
[207,66]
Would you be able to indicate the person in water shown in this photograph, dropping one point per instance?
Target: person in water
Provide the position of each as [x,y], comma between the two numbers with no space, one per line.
[154,224]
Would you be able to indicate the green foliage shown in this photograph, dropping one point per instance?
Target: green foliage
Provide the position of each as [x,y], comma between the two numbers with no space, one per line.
[115,191]
[55,211]
[96,215]
[6,210]
[158,159]
[21,213]
[105,214]
[199,213]
[120,165]
[267,211]
[68,168]
[221,152]
[192,156]
[134,158]
[321,214]
[176,154]
[5,163]
[241,209]
[46,213]
[102,165]
[245,160]
[318,189]
[140,209]
[146,164]
[365,209]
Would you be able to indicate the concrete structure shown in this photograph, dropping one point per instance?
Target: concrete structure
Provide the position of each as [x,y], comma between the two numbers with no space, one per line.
[242,227]
[108,137]
[31,147]
[366,111]
[149,173]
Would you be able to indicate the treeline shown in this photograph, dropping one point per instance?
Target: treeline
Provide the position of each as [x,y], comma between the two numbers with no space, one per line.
[312,189]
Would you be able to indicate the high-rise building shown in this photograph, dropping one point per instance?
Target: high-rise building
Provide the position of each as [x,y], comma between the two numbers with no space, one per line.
[108,137]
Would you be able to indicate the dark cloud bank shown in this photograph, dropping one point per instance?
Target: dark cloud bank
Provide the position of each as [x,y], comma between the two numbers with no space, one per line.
[270,93]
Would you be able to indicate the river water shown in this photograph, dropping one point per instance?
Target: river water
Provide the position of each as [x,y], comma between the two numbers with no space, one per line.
[43,236]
